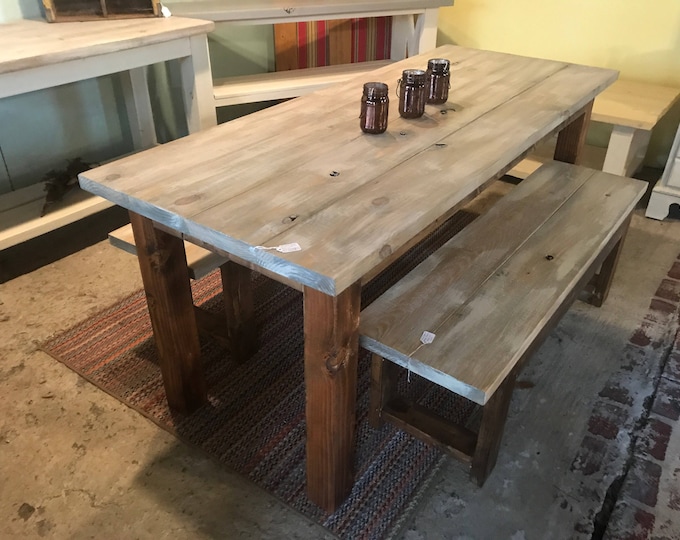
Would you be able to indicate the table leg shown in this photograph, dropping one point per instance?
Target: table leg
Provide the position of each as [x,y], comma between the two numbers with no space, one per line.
[572,138]
[163,265]
[331,326]
[197,86]
[138,105]
[239,306]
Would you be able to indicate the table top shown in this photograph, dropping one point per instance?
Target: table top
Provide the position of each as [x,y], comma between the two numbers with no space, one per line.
[30,43]
[303,172]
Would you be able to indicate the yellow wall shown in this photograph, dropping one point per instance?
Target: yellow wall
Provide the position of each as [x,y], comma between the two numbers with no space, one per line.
[639,38]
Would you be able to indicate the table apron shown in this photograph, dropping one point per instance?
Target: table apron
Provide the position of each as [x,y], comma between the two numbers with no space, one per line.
[47,76]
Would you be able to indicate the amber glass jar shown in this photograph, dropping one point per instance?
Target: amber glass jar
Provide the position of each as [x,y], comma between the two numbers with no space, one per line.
[438,80]
[375,105]
[412,93]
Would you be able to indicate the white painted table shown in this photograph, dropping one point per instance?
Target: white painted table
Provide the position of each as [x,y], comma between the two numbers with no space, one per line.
[35,55]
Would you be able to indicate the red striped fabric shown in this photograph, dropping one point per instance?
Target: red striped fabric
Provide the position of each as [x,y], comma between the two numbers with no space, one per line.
[371,40]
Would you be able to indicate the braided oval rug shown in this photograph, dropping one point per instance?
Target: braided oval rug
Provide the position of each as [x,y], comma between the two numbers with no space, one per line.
[254,420]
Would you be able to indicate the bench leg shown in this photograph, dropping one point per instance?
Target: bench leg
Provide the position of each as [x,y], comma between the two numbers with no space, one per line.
[163,266]
[626,150]
[383,388]
[494,414]
[239,307]
[602,281]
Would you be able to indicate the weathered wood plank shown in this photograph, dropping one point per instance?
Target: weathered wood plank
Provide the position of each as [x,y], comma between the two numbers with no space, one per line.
[331,351]
[230,160]
[373,221]
[542,270]
[461,266]
[294,181]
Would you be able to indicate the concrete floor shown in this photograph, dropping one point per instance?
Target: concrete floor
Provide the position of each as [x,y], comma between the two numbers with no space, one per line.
[76,463]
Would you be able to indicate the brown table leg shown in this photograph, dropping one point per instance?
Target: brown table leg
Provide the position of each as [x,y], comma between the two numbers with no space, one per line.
[331,352]
[572,138]
[237,290]
[163,265]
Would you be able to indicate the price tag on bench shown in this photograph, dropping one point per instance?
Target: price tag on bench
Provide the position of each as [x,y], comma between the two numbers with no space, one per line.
[427,338]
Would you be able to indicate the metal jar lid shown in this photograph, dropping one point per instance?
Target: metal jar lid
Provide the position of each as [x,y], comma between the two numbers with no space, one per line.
[439,66]
[375,90]
[415,77]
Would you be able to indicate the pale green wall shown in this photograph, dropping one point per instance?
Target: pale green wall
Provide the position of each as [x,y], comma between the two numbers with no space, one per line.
[640,39]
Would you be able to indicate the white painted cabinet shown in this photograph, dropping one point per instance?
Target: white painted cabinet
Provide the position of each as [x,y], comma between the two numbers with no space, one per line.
[667,191]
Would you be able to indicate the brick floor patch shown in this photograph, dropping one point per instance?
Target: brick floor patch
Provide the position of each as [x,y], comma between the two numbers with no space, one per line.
[641,336]
[667,402]
[669,290]
[619,457]
[654,439]
[642,483]
[606,419]
[616,392]
[629,522]
[590,456]
[663,306]
[672,369]
[674,272]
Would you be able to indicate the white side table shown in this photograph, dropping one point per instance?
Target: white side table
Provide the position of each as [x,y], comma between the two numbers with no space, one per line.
[35,55]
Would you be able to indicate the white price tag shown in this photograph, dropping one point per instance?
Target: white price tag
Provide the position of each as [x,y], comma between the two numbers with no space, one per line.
[287,248]
[427,338]
[283,248]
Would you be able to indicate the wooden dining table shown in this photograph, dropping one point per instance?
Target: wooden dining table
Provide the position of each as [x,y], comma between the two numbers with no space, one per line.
[300,193]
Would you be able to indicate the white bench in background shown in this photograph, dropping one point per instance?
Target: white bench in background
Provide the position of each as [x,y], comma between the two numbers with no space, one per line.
[633,109]
[414,30]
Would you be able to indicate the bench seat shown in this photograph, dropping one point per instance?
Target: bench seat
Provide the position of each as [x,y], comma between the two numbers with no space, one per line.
[633,109]
[490,295]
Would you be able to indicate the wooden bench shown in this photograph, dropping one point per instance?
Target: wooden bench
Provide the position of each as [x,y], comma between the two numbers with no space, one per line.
[491,295]
[633,109]
[413,30]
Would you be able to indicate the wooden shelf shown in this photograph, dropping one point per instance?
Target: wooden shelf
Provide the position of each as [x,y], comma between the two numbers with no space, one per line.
[286,84]
[20,213]
[272,11]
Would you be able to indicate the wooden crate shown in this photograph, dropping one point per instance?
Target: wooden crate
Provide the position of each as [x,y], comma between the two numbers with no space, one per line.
[88,10]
